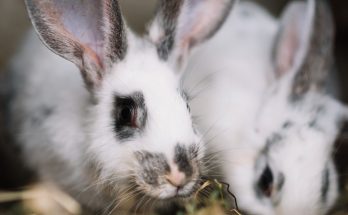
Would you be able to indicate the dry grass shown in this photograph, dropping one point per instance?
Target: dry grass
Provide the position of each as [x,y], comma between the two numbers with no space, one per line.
[45,199]
[39,199]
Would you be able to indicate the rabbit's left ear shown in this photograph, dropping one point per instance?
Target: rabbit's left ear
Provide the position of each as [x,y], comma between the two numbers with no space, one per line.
[304,45]
[89,33]
[181,24]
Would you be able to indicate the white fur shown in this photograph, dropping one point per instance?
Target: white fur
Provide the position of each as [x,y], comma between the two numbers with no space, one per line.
[61,145]
[241,72]
[243,105]
[58,134]
[67,133]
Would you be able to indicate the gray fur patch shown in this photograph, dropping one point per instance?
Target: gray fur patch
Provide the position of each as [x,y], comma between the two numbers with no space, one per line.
[182,157]
[287,124]
[153,165]
[117,39]
[40,115]
[281,181]
[193,151]
[167,17]
[314,122]
[272,140]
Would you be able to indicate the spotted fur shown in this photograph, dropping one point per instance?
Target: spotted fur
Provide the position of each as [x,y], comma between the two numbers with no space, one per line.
[266,113]
[69,125]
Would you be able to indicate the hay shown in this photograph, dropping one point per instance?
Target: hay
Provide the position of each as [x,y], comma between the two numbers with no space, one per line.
[45,199]
[40,199]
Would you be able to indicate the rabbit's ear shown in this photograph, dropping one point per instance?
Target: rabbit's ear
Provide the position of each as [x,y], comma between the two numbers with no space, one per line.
[182,24]
[304,45]
[89,33]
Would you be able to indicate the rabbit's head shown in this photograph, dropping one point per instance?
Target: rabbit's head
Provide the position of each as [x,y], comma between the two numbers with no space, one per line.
[297,124]
[138,130]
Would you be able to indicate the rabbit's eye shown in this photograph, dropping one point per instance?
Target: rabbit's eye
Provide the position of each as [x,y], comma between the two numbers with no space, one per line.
[265,182]
[127,116]
[126,113]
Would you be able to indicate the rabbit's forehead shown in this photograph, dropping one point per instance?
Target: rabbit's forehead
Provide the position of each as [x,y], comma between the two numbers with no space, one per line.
[143,71]
[314,114]
[298,142]
[158,84]
[298,139]
[302,150]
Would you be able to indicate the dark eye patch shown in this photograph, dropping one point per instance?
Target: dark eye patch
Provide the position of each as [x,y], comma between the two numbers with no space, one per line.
[265,182]
[125,112]
[153,165]
[129,115]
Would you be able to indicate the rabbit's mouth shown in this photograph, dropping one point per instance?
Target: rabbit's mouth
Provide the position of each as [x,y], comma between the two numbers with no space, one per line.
[165,189]
[188,190]
[164,178]
[182,192]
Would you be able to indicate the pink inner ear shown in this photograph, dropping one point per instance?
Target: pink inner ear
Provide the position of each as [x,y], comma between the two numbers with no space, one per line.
[199,21]
[287,50]
[293,36]
[84,21]
[81,22]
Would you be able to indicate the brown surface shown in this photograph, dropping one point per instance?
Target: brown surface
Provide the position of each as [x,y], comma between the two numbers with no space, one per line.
[13,23]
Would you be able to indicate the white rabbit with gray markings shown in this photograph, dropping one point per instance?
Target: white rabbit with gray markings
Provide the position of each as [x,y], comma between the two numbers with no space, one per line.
[265,110]
[121,130]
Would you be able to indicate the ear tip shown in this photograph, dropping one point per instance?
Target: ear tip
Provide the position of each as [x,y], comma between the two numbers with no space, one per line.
[30,4]
[297,4]
[295,12]
[31,7]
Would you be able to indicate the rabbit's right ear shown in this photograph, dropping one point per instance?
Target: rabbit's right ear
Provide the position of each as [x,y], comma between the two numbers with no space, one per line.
[181,24]
[304,44]
[89,33]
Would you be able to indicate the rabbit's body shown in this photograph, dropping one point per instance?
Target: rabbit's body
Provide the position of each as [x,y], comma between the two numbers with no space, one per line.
[121,129]
[237,61]
[53,125]
[227,102]
[271,128]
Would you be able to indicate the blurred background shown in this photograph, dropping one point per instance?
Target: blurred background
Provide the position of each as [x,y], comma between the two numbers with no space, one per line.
[14,23]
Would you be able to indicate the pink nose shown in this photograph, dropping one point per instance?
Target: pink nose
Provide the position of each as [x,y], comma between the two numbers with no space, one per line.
[176,177]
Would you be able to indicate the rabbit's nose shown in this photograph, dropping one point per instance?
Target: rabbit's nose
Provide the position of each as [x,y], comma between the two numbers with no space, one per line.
[176,177]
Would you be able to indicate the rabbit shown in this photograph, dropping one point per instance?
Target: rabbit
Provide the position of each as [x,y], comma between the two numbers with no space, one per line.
[120,133]
[264,110]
